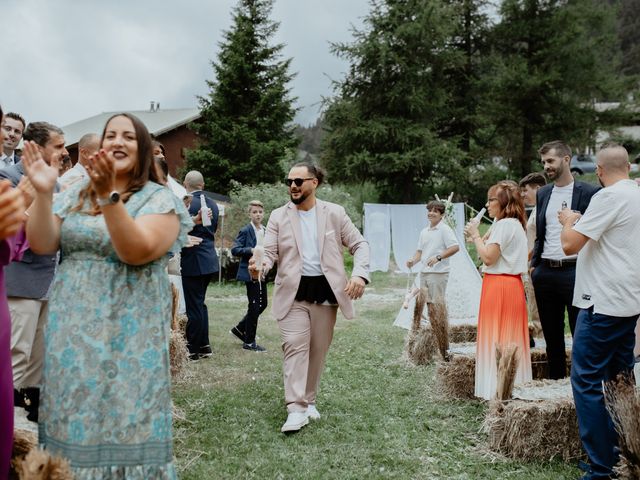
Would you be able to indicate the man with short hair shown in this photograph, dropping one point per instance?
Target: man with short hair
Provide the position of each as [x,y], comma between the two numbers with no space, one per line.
[553,272]
[88,145]
[28,282]
[529,186]
[436,244]
[243,247]
[198,264]
[306,237]
[13,128]
[607,292]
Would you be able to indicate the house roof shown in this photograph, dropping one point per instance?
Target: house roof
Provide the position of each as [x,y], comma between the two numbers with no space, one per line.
[157,122]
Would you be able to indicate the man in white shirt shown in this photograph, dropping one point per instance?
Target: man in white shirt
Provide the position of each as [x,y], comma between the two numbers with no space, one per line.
[13,128]
[436,244]
[88,145]
[607,292]
[553,272]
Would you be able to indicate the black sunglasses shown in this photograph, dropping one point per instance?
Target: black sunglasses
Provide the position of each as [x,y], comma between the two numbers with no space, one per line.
[297,181]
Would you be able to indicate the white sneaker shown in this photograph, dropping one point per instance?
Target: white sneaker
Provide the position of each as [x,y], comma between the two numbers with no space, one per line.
[295,421]
[312,412]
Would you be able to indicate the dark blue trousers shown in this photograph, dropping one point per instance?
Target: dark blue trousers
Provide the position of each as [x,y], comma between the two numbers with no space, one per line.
[602,348]
[195,289]
[257,302]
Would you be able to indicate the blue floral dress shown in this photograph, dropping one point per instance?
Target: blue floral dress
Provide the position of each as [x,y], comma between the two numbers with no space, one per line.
[106,400]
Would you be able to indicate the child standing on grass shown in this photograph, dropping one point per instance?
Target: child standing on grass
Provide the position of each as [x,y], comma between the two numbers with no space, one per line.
[243,247]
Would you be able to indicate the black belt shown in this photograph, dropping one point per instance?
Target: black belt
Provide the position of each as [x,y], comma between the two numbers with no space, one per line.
[569,262]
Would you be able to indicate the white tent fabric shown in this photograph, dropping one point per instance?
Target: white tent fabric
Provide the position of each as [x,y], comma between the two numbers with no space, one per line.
[377,231]
[177,189]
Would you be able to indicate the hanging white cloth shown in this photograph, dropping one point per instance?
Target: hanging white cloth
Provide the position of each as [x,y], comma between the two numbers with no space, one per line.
[377,231]
[407,221]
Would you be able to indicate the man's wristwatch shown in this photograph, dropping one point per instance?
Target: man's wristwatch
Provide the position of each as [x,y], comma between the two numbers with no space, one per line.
[112,199]
[439,258]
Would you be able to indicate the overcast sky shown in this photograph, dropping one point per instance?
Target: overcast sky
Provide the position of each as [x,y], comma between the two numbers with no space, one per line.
[65,60]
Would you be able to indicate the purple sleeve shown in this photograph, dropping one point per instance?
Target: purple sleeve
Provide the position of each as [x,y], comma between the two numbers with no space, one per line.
[12,248]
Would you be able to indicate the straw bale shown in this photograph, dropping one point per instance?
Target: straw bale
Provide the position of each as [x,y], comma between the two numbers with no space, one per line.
[182,322]
[463,333]
[420,345]
[23,442]
[175,303]
[623,403]
[440,327]
[534,429]
[539,364]
[178,354]
[456,378]
[39,465]
[507,358]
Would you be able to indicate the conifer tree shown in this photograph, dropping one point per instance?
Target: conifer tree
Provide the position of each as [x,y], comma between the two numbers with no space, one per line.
[245,128]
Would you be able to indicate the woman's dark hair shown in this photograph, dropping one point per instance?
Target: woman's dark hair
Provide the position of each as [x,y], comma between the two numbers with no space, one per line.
[143,171]
[162,164]
[314,170]
[511,203]
[1,114]
[158,144]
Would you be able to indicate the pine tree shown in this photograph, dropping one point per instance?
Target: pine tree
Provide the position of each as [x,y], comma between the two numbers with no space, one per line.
[245,128]
[383,125]
[554,59]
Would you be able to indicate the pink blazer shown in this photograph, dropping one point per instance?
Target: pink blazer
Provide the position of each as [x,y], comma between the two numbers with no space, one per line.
[282,244]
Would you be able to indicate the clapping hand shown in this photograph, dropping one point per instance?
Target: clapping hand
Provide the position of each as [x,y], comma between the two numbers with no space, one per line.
[102,173]
[28,191]
[11,209]
[43,177]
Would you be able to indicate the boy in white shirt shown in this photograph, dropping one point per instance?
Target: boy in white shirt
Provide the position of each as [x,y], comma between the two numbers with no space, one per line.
[436,244]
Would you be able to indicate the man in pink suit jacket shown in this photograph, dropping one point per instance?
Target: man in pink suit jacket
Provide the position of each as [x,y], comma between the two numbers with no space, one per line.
[306,238]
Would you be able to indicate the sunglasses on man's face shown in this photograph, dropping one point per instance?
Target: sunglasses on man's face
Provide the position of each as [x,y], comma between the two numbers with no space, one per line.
[297,181]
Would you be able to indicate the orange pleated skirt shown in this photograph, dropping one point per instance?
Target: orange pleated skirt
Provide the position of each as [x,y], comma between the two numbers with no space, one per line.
[502,319]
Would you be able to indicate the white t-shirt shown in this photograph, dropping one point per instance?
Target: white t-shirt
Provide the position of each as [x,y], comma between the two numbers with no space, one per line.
[73,175]
[433,241]
[552,248]
[608,269]
[531,229]
[509,234]
[310,246]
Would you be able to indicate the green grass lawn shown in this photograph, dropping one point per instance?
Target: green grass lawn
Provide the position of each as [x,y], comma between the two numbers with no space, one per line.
[381,417]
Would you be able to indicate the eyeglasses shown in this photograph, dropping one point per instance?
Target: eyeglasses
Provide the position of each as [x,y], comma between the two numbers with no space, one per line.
[297,181]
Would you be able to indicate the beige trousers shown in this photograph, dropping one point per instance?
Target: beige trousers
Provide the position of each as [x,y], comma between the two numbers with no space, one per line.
[306,333]
[28,320]
[436,285]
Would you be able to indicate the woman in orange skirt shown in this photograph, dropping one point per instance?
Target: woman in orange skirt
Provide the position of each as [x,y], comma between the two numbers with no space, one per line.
[502,319]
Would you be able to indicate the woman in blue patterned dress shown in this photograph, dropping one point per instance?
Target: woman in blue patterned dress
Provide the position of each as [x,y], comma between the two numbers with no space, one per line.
[106,403]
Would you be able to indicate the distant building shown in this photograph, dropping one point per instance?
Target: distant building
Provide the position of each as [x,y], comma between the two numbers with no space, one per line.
[168,126]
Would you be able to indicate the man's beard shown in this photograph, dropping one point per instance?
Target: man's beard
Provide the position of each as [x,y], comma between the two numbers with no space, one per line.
[299,200]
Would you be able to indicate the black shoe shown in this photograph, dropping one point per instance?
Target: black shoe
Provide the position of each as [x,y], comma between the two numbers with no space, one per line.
[532,342]
[254,347]
[237,333]
[194,356]
[32,403]
[206,352]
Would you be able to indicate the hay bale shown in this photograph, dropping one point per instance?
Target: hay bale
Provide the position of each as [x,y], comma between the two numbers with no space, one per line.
[540,366]
[440,327]
[39,465]
[175,303]
[420,345]
[178,354]
[456,378]
[542,427]
[463,333]
[182,322]
[454,381]
[507,360]
[23,442]
[623,404]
